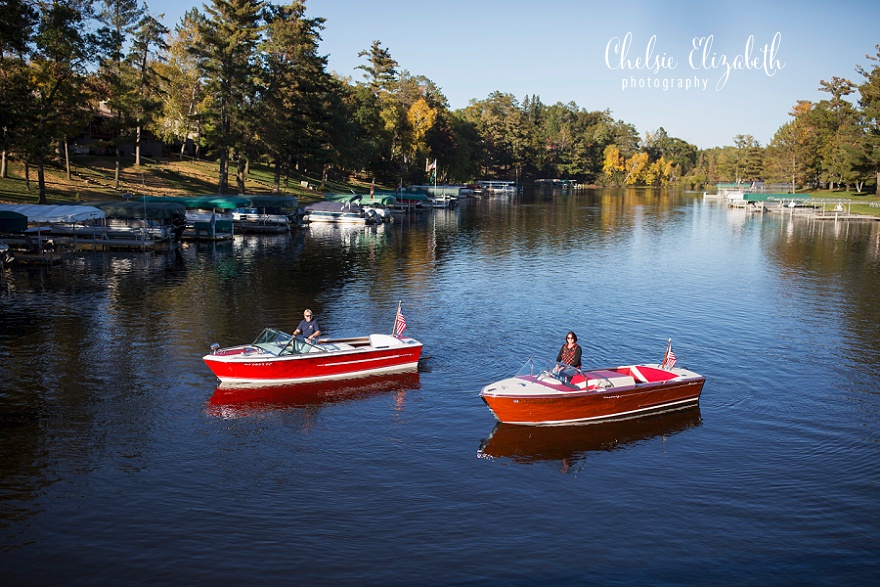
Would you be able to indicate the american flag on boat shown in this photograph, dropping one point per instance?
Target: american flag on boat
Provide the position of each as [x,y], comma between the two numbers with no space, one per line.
[399,323]
[668,357]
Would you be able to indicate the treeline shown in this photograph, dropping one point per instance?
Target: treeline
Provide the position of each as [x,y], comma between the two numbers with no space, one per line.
[243,81]
[832,143]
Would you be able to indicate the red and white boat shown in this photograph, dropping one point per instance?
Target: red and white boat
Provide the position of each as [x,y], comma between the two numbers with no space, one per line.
[548,393]
[275,357]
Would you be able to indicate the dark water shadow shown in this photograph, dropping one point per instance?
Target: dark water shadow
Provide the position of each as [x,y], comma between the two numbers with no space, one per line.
[241,401]
[531,444]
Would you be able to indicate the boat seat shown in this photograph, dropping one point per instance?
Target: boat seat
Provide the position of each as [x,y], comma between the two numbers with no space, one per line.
[645,374]
[608,378]
[638,375]
[336,346]
[579,381]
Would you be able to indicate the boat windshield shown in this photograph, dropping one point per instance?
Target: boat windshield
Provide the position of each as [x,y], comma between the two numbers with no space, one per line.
[270,335]
[279,342]
[536,368]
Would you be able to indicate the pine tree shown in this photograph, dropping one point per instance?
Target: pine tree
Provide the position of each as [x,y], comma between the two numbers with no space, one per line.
[51,106]
[869,100]
[116,78]
[227,52]
[148,46]
[381,71]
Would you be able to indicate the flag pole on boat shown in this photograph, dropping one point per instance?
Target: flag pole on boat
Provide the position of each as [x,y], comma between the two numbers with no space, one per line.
[668,357]
[394,324]
[399,323]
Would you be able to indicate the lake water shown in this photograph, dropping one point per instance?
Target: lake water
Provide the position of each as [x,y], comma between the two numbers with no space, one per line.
[121,463]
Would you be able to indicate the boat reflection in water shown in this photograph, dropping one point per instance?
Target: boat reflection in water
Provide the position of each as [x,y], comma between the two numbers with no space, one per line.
[569,444]
[354,236]
[240,401]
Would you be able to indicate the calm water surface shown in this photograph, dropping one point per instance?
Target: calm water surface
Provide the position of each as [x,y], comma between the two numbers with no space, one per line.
[122,463]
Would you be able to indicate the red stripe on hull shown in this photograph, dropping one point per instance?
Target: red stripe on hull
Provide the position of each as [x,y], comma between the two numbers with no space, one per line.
[317,366]
[594,406]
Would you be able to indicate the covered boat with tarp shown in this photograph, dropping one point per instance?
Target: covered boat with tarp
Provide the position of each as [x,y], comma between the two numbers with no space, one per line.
[120,223]
[159,220]
[41,220]
[207,217]
[202,202]
[439,196]
[348,212]
[11,224]
[412,200]
[43,214]
[267,214]
[379,203]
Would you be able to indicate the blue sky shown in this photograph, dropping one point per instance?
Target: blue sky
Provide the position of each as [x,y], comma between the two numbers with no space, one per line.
[556,49]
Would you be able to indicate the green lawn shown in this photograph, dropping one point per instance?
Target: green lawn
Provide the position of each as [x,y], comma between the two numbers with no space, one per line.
[860,203]
[93,179]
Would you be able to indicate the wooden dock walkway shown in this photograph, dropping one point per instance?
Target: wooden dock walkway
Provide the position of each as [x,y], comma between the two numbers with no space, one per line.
[811,209]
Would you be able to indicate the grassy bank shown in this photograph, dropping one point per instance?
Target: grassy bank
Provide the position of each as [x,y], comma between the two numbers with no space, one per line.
[860,203]
[92,179]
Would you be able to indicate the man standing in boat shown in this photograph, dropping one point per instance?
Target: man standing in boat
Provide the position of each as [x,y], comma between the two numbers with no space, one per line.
[308,327]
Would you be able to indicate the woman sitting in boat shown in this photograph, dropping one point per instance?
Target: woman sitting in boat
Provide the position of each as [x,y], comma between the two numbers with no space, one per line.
[308,327]
[570,355]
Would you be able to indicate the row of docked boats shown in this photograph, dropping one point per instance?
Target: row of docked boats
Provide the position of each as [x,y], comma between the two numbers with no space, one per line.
[144,222]
[35,231]
[542,393]
[148,221]
[375,208]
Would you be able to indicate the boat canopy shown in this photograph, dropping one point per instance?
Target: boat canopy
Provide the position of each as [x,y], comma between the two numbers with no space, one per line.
[142,209]
[270,201]
[752,197]
[434,190]
[377,199]
[325,206]
[49,213]
[412,197]
[203,202]
[12,221]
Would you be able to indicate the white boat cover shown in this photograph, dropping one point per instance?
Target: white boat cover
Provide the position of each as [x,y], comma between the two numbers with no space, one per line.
[44,214]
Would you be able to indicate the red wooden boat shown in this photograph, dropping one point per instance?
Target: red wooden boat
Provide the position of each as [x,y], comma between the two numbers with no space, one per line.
[549,393]
[275,357]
